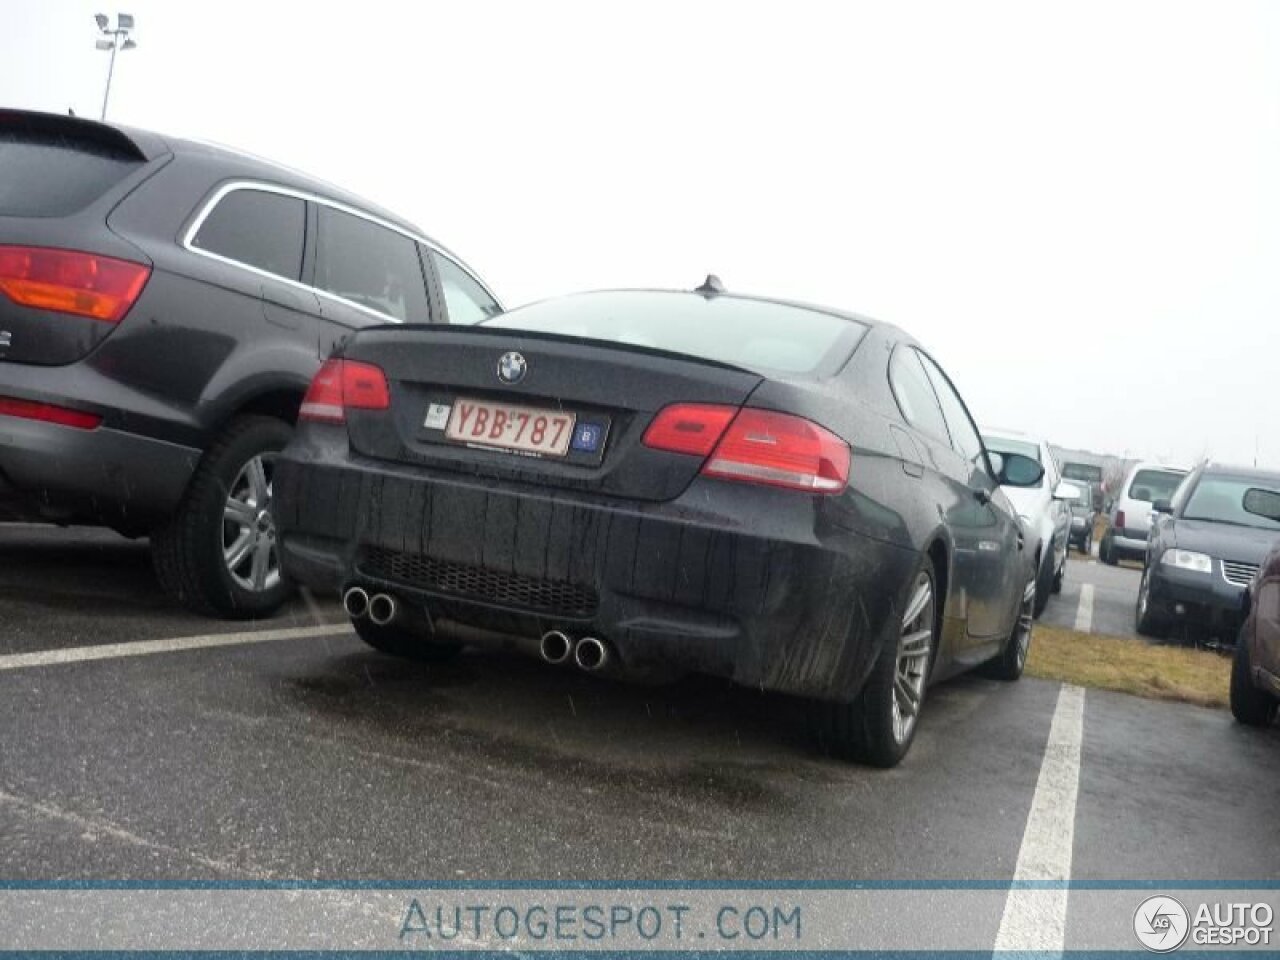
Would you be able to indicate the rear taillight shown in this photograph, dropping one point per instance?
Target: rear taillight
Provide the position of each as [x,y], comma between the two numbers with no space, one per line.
[343,385]
[68,281]
[688,428]
[1120,519]
[48,413]
[781,450]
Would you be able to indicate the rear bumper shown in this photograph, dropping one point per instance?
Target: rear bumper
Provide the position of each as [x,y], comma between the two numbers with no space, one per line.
[63,474]
[748,583]
[1129,541]
[1203,600]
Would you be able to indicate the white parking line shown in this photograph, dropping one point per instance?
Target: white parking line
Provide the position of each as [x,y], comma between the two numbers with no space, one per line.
[1084,610]
[142,648]
[1035,918]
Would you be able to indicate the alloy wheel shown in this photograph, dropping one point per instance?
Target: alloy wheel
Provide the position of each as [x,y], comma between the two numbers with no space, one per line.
[915,647]
[1026,619]
[248,528]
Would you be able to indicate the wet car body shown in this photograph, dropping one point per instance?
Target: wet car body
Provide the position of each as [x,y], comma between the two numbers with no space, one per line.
[1255,679]
[782,589]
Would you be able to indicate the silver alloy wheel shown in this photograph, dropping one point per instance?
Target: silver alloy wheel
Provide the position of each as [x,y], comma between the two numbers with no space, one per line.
[1144,593]
[1026,620]
[248,528]
[915,646]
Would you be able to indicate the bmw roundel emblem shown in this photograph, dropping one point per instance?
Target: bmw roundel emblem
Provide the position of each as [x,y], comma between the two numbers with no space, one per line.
[511,367]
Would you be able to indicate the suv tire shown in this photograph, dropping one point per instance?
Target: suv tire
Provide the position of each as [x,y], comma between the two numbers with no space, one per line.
[190,552]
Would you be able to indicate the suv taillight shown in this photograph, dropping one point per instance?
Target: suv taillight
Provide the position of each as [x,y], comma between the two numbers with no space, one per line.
[1120,519]
[754,446]
[343,385]
[69,281]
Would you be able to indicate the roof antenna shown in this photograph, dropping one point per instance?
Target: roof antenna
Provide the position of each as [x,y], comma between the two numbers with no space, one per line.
[710,286]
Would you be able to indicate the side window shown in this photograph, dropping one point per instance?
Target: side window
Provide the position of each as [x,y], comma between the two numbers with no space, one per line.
[257,228]
[964,435]
[915,396]
[466,301]
[368,264]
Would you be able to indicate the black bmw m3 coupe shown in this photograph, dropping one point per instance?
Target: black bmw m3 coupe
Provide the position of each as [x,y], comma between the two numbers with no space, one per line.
[785,495]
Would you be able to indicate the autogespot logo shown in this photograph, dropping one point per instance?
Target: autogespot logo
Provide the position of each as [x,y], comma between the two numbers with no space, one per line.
[1161,924]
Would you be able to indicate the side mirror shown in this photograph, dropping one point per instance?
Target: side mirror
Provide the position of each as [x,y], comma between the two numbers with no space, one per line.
[1067,491]
[1262,503]
[1018,471]
[1162,506]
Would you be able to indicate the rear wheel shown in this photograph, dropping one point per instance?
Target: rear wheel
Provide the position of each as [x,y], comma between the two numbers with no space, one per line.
[218,555]
[397,641]
[878,727]
[1107,551]
[1147,620]
[1008,666]
[1249,705]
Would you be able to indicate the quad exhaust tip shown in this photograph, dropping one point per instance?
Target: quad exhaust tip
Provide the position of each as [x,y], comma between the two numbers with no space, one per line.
[590,654]
[556,646]
[356,602]
[382,608]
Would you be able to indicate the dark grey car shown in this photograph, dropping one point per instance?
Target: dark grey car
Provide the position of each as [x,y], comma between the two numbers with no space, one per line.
[163,306]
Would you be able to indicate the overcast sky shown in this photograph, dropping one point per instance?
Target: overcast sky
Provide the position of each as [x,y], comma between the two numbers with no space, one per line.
[1074,206]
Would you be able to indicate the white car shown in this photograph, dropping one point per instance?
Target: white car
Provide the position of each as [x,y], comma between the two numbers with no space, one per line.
[1045,509]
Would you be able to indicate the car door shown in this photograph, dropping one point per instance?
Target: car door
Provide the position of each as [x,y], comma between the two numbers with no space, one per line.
[985,522]
[366,274]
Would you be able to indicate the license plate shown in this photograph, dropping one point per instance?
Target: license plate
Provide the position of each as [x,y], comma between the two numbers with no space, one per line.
[511,427]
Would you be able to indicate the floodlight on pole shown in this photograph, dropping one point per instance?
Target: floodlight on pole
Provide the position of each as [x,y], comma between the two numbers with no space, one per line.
[119,39]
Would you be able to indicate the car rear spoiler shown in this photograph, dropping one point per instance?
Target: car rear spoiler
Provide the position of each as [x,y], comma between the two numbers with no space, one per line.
[137,144]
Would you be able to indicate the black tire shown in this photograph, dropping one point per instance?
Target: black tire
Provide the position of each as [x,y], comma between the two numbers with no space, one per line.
[1061,574]
[187,552]
[1249,705]
[864,729]
[1107,551]
[1012,660]
[1147,620]
[404,643]
[1044,583]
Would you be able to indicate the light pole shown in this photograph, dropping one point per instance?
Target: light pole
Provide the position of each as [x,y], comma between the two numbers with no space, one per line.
[119,41]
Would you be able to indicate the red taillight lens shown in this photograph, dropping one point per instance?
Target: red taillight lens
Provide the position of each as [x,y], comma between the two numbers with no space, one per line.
[48,413]
[1120,519]
[68,281]
[343,385]
[688,428]
[781,450]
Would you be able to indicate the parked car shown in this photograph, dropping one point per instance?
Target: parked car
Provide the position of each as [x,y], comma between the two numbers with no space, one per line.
[1084,517]
[164,305]
[1255,672]
[1044,507]
[1128,518]
[1204,551]
[788,496]
[1089,474]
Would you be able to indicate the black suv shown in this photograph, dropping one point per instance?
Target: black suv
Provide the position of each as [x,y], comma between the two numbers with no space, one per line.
[164,305]
[1204,551]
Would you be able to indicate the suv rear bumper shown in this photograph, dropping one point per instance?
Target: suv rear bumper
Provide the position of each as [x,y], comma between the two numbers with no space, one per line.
[67,475]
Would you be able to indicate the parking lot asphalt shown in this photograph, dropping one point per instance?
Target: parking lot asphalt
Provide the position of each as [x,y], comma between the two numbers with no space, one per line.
[1095,598]
[311,757]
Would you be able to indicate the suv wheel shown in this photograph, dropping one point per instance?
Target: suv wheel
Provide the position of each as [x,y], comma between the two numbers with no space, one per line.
[879,725]
[1249,705]
[1044,584]
[1107,551]
[218,553]
[1147,620]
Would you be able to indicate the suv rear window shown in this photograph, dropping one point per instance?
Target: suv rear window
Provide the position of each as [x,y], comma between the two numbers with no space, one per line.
[1152,485]
[46,174]
[752,334]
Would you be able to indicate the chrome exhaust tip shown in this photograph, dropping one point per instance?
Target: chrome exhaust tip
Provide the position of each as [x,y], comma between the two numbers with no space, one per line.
[555,647]
[383,608]
[356,602]
[590,654]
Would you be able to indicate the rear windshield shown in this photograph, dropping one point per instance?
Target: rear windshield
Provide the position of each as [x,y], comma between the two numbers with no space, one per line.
[1152,485]
[1221,498]
[753,334]
[43,174]
[1082,471]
